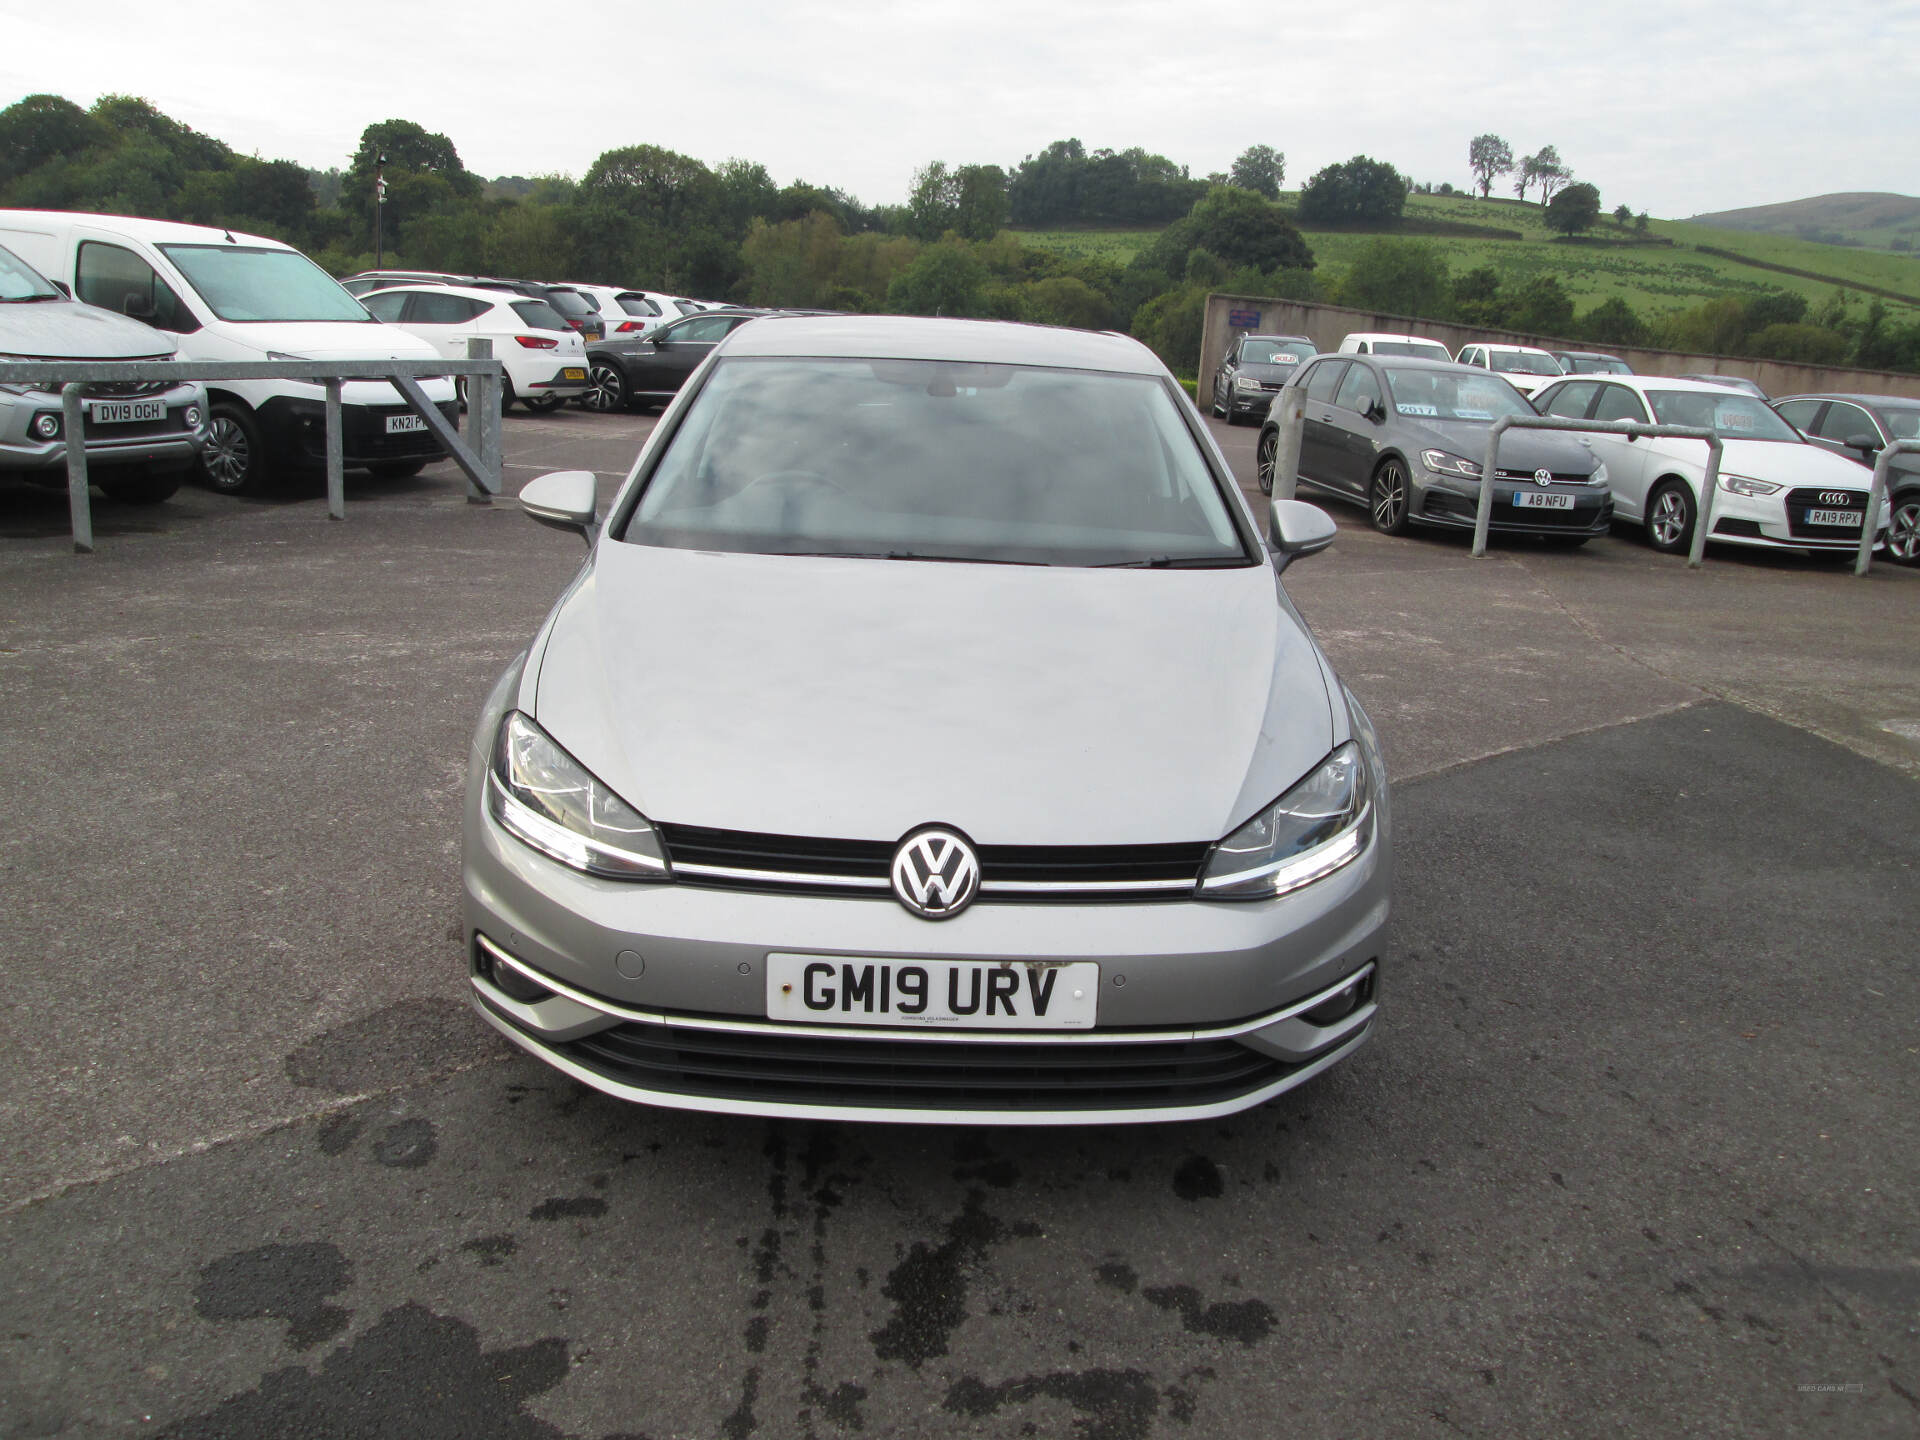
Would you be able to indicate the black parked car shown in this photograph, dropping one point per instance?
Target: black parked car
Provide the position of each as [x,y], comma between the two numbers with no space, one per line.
[1255,369]
[1860,427]
[579,312]
[1406,438]
[650,369]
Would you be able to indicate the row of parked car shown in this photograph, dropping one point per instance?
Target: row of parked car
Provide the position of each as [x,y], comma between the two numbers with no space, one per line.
[110,288]
[1398,424]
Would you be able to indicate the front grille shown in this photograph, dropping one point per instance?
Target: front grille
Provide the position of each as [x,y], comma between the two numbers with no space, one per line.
[364,437]
[1809,498]
[127,389]
[1527,475]
[1585,514]
[921,1074]
[744,860]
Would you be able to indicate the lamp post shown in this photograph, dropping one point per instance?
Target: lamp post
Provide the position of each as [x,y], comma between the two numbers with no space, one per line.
[379,201]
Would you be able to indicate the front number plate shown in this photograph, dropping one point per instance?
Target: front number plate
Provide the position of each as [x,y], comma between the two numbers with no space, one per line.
[119,412]
[1541,500]
[1849,518]
[400,424]
[941,994]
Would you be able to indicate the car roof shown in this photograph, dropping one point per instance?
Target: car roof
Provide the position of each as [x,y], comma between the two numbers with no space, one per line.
[1586,354]
[1857,399]
[1391,335]
[907,337]
[469,292]
[1664,382]
[1414,362]
[1294,339]
[1517,349]
[154,232]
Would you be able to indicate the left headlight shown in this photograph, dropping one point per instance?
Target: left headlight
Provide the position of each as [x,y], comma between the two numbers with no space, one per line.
[1741,485]
[543,796]
[1245,382]
[1323,823]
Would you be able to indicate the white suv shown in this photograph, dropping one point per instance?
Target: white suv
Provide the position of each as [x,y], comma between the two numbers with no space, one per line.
[544,357]
[1417,347]
[1528,369]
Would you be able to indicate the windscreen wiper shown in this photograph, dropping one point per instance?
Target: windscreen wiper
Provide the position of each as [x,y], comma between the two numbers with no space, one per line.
[1176,562]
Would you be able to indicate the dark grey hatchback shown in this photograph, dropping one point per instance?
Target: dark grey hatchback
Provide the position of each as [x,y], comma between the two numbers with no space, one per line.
[1406,438]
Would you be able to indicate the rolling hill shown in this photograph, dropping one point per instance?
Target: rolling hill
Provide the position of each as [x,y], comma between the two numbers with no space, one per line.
[1872,218]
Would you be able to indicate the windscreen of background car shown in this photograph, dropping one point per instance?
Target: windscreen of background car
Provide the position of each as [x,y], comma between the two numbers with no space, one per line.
[1274,352]
[1902,423]
[913,459]
[1452,395]
[1731,416]
[242,283]
[1412,352]
[1519,363]
[20,281]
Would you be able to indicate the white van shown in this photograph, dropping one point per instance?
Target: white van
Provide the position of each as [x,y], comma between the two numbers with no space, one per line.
[226,296]
[1418,347]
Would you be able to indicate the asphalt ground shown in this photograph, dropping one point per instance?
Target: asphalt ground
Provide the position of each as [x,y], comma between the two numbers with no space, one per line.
[1632,1152]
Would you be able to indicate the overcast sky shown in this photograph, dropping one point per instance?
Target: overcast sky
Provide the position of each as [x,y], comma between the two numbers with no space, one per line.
[1670,107]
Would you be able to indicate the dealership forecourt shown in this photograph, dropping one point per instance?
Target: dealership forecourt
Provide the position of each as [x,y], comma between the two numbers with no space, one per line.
[1632,1150]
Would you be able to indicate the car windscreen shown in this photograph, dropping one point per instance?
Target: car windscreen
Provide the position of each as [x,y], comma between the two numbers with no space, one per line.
[574,307]
[240,282]
[1408,350]
[540,315]
[937,460]
[1732,415]
[1584,366]
[1518,362]
[20,281]
[1422,394]
[1902,422]
[1275,352]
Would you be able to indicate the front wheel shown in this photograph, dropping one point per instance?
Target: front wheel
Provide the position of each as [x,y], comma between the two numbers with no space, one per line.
[606,388]
[1670,513]
[234,461]
[1266,457]
[1389,498]
[1219,393]
[543,404]
[1903,529]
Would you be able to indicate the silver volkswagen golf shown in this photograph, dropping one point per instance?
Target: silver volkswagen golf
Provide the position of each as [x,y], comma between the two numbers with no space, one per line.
[928,737]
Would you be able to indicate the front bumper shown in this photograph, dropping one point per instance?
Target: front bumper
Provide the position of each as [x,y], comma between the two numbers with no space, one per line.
[1779,522]
[1448,508]
[168,443]
[657,993]
[296,429]
[1251,402]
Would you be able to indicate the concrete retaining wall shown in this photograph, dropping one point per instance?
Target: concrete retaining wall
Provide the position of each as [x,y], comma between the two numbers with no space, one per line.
[1328,325]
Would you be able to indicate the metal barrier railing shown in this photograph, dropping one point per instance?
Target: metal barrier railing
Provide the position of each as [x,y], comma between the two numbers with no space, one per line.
[1709,484]
[1876,497]
[481,461]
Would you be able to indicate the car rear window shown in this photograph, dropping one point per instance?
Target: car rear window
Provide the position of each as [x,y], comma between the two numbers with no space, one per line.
[570,304]
[540,315]
[637,305]
[934,460]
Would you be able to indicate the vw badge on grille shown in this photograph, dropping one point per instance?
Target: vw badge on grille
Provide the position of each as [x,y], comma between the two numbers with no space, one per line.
[1543,477]
[935,873]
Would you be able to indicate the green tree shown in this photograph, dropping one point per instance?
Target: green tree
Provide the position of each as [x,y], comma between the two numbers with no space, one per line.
[980,201]
[1242,229]
[1169,325]
[1400,277]
[1477,299]
[1542,307]
[1362,191]
[1067,300]
[1612,322]
[1622,214]
[1489,157]
[43,128]
[1574,209]
[1260,168]
[945,280]
[1802,344]
[412,152]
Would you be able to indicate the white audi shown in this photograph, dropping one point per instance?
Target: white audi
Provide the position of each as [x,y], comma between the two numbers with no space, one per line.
[1776,490]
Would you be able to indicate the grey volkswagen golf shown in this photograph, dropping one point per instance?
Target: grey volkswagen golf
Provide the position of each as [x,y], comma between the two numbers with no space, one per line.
[928,737]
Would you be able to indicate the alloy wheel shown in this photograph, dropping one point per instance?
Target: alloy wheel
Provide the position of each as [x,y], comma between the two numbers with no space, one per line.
[605,391]
[1389,498]
[228,455]
[1669,519]
[1903,531]
[1268,455]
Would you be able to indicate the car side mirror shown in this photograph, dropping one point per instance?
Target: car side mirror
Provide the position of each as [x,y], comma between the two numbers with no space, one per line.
[565,500]
[1376,410]
[1296,530]
[1865,444]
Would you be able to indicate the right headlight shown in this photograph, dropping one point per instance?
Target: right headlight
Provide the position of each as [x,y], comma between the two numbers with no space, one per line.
[543,796]
[1456,466]
[1322,824]
[1245,382]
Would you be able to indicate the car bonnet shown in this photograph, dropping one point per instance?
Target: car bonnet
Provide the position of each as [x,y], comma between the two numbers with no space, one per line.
[858,699]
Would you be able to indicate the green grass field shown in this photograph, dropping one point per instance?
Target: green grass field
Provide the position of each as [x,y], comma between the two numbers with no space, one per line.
[1653,279]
